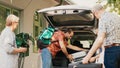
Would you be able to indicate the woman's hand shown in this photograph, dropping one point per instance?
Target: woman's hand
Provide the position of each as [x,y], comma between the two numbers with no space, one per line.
[23,49]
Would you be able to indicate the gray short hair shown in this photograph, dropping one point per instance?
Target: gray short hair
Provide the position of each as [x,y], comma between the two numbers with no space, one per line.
[11,19]
[97,7]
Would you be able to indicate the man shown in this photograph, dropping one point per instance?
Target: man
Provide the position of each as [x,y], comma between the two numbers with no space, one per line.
[60,42]
[109,33]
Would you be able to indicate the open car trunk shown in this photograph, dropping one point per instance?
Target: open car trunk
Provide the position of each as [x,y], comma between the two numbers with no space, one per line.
[79,19]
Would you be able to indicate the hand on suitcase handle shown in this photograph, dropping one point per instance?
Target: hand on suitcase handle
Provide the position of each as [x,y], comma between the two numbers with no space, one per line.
[70,57]
[92,59]
[85,60]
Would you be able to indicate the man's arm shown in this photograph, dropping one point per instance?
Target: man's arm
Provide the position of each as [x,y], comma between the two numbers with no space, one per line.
[75,47]
[97,44]
[64,50]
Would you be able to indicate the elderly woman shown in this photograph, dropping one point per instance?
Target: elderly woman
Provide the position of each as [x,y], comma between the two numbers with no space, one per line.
[8,49]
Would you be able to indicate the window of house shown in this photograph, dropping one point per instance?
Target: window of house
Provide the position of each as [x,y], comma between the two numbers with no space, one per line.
[4,12]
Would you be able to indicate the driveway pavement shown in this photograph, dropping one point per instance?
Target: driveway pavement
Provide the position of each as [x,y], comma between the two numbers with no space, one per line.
[33,60]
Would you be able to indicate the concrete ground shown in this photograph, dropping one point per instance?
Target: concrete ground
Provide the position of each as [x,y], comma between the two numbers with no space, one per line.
[33,60]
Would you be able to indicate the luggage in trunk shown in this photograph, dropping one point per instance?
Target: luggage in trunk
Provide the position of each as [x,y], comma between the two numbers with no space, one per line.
[80,65]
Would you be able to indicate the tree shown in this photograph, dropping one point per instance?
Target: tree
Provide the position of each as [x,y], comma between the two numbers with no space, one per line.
[113,5]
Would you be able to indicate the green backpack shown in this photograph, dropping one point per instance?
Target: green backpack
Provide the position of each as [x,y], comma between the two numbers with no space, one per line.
[44,38]
[22,41]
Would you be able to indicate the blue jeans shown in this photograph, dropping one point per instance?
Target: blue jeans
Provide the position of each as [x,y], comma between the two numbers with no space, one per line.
[112,57]
[46,58]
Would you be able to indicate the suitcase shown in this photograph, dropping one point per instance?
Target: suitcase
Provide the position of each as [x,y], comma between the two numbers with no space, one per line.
[78,56]
[77,63]
[80,65]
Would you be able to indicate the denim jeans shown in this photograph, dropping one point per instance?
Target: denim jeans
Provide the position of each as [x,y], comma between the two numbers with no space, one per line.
[46,58]
[112,57]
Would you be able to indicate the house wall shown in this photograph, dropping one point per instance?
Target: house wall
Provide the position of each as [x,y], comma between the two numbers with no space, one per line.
[27,9]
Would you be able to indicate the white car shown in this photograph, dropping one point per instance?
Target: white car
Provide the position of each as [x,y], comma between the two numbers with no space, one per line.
[78,18]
